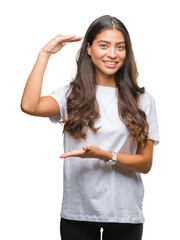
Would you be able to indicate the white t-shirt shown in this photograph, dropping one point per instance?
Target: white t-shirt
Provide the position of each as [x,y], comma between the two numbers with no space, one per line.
[93,190]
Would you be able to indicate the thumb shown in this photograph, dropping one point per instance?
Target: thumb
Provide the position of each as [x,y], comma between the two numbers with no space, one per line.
[85,148]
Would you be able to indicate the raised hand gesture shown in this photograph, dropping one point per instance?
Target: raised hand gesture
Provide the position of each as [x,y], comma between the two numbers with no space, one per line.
[58,42]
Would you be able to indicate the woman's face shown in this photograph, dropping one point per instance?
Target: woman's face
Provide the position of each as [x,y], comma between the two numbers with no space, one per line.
[108,52]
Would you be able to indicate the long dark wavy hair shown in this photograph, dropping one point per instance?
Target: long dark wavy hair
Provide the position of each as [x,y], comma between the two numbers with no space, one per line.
[82,106]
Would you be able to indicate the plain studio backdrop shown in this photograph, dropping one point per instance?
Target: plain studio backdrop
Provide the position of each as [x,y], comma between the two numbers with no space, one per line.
[31,173]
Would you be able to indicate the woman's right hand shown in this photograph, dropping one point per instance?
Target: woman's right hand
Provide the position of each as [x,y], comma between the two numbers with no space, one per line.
[32,102]
[58,42]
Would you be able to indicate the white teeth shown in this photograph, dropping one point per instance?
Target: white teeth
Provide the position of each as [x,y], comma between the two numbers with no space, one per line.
[111,63]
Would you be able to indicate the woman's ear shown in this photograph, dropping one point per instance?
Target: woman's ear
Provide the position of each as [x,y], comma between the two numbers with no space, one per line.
[89,49]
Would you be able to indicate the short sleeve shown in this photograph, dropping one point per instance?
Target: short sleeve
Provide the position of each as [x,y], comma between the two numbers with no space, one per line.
[148,105]
[60,96]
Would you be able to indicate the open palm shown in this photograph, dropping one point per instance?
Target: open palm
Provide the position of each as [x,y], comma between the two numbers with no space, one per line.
[90,151]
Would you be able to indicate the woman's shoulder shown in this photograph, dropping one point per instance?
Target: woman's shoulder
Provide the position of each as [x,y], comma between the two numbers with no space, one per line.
[65,88]
[62,89]
[146,98]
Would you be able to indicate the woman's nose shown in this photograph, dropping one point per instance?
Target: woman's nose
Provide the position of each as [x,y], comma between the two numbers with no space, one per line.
[111,52]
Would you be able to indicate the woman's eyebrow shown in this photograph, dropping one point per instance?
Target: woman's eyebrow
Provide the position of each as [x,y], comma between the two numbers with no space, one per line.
[109,42]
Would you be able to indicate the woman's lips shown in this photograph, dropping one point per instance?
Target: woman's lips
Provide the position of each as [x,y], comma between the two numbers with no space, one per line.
[110,64]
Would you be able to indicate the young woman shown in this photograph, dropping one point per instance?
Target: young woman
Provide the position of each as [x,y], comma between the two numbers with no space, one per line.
[110,128]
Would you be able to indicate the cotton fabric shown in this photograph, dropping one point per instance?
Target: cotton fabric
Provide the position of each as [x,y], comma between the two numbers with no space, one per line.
[92,190]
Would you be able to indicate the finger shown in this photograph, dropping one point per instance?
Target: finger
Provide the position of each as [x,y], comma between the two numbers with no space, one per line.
[72,153]
[61,38]
[74,39]
[88,148]
[63,44]
[85,148]
[71,39]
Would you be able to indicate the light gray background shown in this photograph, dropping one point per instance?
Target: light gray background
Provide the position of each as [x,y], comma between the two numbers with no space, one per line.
[30,169]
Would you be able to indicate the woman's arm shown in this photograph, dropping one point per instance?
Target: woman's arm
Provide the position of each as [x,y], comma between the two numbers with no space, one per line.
[139,162]
[32,102]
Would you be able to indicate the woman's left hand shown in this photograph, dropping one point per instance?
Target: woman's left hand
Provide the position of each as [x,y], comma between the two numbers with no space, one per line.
[90,151]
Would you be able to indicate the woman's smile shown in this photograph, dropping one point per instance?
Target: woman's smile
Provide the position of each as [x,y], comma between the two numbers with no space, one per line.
[110,64]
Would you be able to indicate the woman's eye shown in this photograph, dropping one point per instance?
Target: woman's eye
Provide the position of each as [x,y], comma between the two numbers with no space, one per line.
[121,48]
[103,46]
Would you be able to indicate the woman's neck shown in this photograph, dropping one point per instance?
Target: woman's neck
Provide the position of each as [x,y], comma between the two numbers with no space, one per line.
[105,81]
